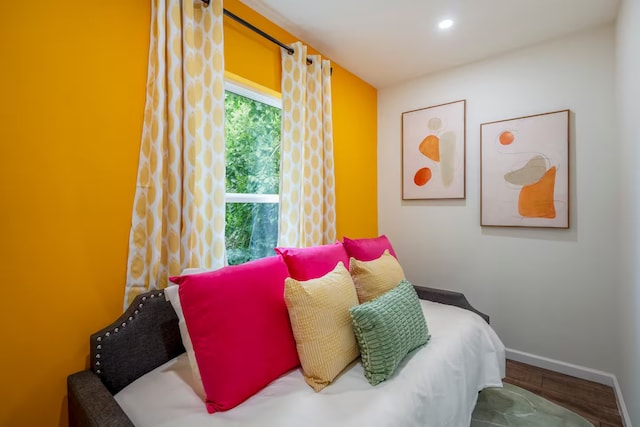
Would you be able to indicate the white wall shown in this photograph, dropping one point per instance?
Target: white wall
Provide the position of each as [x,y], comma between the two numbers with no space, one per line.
[628,83]
[550,292]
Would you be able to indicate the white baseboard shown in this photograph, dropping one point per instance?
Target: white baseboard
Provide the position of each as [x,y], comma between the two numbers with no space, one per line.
[626,421]
[577,371]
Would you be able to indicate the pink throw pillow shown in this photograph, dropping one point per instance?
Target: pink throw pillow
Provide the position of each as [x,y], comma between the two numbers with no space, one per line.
[313,262]
[368,249]
[239,327]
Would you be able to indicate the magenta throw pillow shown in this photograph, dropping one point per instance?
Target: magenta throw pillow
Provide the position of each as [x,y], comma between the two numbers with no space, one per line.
[368,249]
[313,262]
[239,328]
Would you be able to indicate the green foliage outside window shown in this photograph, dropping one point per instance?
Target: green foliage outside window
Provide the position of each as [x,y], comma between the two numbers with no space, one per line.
[253,167]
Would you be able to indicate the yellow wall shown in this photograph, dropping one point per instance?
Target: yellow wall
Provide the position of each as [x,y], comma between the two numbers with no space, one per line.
[72,82]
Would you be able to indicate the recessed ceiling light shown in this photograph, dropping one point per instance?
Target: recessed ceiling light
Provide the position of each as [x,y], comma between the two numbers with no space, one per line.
[445,23]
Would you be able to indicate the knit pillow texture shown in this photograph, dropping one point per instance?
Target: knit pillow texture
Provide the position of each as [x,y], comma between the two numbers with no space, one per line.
[319,314]
[374,278]
[387,329]
[239,328]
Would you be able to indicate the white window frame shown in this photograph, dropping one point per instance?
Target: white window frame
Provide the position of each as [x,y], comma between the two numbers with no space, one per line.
[251,93]
[251,198]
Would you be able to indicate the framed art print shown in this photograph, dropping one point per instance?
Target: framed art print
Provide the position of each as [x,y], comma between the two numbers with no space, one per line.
[524,171]
[433,152]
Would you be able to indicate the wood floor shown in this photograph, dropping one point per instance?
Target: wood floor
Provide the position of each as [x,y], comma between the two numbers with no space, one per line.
[594,402]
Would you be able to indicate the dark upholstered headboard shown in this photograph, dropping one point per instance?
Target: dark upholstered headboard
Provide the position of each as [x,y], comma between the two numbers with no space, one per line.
[143,338]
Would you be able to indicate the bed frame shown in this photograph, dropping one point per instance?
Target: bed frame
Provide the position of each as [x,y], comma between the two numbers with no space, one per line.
[143,338]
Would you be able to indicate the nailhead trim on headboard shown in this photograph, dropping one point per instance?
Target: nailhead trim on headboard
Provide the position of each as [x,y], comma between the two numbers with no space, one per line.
[125,350]
[99,339]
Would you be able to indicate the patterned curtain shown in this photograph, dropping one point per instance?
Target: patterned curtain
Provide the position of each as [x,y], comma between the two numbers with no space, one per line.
[179,206]
[307,188]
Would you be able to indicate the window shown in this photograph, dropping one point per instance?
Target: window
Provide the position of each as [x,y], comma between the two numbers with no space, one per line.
[252,122]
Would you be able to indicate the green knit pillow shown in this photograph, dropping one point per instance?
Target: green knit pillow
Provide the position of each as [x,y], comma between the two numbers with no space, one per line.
[387,329]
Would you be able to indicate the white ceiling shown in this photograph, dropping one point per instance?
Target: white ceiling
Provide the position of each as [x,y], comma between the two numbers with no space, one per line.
[385,42]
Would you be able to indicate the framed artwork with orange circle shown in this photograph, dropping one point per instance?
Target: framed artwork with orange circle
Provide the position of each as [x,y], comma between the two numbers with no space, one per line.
[433,152]
[524,171]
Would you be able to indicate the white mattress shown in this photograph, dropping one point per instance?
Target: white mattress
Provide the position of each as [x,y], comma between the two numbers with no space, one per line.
[436,385]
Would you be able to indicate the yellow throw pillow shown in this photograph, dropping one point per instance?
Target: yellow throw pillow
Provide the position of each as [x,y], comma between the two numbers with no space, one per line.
[374,278]
[321,323]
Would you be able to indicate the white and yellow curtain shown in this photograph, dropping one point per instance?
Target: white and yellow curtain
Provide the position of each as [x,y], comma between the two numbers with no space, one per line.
[307,186]
[179,206]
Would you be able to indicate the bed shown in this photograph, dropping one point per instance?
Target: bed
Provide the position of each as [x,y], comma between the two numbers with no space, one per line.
[139,375]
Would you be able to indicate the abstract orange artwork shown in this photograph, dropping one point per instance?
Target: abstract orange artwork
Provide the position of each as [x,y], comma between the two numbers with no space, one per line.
[524,171]
[433,152]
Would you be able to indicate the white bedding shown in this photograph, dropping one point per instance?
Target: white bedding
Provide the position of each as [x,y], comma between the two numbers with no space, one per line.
[436,385]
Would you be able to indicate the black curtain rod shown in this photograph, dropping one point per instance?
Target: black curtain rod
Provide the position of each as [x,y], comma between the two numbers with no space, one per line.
[257,30]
